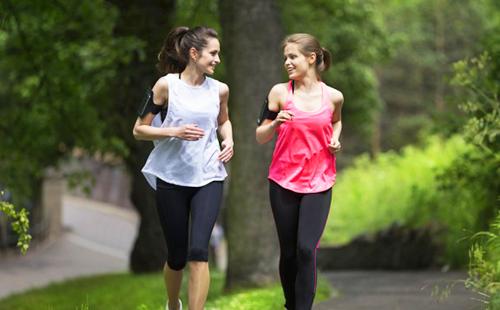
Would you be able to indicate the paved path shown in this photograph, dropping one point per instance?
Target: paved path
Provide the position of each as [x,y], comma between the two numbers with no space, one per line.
[97,239]
[374,290]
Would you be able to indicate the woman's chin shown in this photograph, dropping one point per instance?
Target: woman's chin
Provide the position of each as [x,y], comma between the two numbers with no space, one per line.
[210,71]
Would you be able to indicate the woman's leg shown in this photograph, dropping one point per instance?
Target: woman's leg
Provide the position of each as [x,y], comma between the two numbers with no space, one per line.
[205,206]
[173,209]
[173,280]
[313,213]
[285,207]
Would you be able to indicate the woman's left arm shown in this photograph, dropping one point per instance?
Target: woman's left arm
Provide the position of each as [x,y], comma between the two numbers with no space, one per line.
[338,100]
[225,128]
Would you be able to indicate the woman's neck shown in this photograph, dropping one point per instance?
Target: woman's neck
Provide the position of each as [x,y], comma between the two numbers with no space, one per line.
[308,83]
[192,76]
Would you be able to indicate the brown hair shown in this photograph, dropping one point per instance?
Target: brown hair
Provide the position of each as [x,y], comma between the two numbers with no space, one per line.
[308,44]
[174,54]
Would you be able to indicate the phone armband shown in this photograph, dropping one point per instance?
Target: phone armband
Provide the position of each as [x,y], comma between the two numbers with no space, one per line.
[265,113]
[147,105]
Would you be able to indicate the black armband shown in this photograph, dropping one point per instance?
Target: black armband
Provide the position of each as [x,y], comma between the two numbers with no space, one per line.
[265,113]
[148,105]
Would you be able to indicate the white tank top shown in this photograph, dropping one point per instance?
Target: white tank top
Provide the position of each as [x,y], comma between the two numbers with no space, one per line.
[182,162]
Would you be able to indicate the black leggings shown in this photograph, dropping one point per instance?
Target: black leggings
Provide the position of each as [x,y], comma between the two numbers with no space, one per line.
[300,220]
[175,205]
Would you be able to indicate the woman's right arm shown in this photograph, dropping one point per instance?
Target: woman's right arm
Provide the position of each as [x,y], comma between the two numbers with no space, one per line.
[144,131]
[265,132]
[142,128]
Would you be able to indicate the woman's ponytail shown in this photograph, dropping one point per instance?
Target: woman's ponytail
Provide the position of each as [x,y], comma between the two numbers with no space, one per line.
[170,58]
[326,60]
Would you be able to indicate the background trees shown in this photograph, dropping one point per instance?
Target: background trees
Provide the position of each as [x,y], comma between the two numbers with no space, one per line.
[57,61]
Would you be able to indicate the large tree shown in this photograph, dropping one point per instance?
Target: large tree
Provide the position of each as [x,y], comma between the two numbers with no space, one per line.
[251,36]
[149,21]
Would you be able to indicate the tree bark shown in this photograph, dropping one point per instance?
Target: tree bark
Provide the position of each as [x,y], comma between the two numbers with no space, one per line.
[251,36]
[440,43]
[150,21]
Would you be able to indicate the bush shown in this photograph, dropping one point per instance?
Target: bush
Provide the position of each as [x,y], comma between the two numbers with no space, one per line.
[484,265]
[449,184]
[372,194]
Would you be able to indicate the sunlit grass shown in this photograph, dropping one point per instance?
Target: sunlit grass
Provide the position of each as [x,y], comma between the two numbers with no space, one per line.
[143,292]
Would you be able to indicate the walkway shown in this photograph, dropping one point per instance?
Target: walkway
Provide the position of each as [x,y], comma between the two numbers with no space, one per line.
[97,239]
[374,290]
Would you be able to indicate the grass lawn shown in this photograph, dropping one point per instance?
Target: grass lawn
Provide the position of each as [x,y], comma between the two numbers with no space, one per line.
[143,292]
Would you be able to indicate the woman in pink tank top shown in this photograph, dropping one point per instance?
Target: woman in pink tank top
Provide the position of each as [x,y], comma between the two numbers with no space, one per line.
[302,172]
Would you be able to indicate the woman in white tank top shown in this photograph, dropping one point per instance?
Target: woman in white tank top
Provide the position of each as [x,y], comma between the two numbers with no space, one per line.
[186,165]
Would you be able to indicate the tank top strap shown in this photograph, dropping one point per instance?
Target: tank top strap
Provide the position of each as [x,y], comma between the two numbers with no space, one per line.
[327,99]
[289,95]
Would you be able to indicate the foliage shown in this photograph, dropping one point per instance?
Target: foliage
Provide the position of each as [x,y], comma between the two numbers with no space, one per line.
[19,222]
[143,292]
[465,200]
[372,194]
[478,79]
[484,265]
[482,102]
[431,35]
[56,62]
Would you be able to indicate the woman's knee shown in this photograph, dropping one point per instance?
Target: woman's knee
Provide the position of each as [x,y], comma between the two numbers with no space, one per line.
[177,261]
[198,254]
[306,253]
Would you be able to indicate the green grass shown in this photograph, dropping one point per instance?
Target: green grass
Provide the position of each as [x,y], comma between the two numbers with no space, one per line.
[143,292]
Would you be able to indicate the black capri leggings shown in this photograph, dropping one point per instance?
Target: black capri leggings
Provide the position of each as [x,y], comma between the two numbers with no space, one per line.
[176,205]
[300,220]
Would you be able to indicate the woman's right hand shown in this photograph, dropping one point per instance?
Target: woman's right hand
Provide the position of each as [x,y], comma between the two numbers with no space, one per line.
[283,116]
[190,132]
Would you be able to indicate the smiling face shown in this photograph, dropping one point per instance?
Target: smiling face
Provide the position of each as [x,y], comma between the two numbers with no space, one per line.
[297,65]
[206,59]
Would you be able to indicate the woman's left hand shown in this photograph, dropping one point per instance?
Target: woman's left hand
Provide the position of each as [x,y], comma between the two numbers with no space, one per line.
[227,151]
[334,146]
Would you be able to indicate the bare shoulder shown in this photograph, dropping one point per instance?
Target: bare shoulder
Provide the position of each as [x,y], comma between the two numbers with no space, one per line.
[160,91]
[336,95]
[278,90]
[223,89]
[277,96]
[161,84]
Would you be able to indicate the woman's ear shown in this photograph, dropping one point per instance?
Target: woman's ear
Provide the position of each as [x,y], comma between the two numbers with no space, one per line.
[193,54]
[312,58]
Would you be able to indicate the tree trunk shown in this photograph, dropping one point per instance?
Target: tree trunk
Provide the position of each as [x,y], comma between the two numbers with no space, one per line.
[251,36]
[149,252]
[150,21]
[439,44]
[376,135]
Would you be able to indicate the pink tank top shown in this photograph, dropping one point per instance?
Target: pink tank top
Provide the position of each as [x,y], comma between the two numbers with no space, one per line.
[301,160]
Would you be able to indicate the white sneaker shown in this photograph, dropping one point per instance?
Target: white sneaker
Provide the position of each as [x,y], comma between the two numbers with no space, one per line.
[180,305]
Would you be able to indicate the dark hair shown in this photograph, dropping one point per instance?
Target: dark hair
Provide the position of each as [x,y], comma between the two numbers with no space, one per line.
[174,54]
[308,44]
